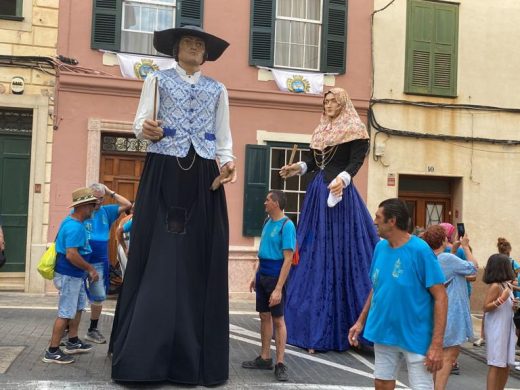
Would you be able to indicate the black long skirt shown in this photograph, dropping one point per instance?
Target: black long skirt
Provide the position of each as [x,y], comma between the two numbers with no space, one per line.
[172,317]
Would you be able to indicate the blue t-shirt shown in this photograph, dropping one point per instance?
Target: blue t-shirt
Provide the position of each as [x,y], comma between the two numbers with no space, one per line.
[98,227]
[401,311]
[277,236]
[127,226]
[516,266]
[72,234]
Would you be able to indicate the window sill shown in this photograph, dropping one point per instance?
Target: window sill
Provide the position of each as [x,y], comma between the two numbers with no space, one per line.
[12,17]
[431,94]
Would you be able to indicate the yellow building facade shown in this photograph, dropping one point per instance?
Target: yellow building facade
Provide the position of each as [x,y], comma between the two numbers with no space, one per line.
[28,28]
[445,115]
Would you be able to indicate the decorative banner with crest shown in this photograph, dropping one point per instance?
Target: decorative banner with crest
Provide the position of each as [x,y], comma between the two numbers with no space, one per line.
[299,82]
[137,67]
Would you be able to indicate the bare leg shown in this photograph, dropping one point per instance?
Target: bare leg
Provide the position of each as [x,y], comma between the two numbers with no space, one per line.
[492,378]
[74,325]
[266,331]
[280,337]
[440,378]
[384,385]
[57,331]
[503,375]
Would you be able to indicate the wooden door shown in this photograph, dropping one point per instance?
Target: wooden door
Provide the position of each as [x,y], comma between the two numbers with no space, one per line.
[121,173]
[428,210]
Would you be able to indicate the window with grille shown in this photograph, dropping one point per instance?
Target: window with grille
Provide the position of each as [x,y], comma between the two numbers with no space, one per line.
[262,174]
[294,187]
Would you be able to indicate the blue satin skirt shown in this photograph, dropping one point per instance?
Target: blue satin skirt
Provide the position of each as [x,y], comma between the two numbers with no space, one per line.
[327,290]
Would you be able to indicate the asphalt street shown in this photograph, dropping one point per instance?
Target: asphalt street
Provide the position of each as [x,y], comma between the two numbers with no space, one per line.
[25,328]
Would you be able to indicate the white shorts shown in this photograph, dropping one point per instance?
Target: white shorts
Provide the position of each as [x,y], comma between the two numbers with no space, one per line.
[388,361]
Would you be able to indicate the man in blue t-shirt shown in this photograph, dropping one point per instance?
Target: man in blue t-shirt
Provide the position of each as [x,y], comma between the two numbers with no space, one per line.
[98,227]
[405,313]
[71,270]
[277,245]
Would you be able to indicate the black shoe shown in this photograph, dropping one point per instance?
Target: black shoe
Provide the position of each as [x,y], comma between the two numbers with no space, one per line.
[280,372]
[259,364]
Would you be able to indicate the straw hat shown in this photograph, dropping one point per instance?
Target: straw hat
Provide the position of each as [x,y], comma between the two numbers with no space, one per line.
[83,196]
[164,40]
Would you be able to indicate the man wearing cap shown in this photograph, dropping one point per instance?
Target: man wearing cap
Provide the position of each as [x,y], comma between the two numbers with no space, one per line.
[71,270]
[172,316]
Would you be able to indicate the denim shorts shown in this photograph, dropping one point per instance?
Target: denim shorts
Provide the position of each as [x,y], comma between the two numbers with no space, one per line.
[388,361]
[73,297]
[96,290]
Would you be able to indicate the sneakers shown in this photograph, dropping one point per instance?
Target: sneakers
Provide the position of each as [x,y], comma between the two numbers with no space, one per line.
[95,336]
[77,347]
[58,357]
[479,343]
[280,372]
[455,369]
[259,364]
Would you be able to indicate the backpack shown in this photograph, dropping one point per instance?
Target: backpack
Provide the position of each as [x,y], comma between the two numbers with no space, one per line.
[296,253]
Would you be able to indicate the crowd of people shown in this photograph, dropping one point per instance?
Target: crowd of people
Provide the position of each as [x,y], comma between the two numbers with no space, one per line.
[359,280]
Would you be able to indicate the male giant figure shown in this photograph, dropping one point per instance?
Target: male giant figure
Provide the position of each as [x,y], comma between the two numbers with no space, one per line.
[407,306]
[172,317]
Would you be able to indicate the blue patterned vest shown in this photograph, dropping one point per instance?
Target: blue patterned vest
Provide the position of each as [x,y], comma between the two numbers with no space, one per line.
[188,112]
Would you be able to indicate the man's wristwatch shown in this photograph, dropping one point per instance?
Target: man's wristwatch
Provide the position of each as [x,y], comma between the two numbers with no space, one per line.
[113,194]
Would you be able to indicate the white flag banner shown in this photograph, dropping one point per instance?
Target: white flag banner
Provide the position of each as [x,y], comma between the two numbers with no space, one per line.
[137,67]
[298,82]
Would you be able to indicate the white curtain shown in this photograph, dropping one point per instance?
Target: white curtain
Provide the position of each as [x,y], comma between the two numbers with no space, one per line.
[297,43]
[140,21]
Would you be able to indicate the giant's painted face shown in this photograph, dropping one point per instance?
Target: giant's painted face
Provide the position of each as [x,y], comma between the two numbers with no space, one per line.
[191,50]
[330,106]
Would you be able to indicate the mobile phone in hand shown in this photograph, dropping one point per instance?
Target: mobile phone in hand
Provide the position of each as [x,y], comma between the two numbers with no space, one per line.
[460,230]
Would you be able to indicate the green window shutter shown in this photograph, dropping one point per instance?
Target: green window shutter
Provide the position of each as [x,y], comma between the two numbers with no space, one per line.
[256,186]
[261,40]
[106,24]
[445,49]
[431,50]
[334,36]
[189,12]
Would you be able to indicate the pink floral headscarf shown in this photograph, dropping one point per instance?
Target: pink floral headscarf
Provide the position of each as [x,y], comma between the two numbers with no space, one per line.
[346,127]
[449,229]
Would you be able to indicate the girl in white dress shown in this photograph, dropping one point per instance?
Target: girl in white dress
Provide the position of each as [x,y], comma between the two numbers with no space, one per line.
[499,328]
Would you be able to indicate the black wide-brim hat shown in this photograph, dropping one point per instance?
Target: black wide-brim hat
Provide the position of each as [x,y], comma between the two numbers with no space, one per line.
[164,40]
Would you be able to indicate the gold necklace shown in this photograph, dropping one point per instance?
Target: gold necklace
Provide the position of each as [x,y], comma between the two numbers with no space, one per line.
[326,156]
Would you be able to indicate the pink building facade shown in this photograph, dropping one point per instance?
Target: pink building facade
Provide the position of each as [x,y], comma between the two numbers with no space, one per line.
[94,141]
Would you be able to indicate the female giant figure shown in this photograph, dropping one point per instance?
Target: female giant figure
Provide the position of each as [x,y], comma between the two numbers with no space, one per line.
[335,234]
